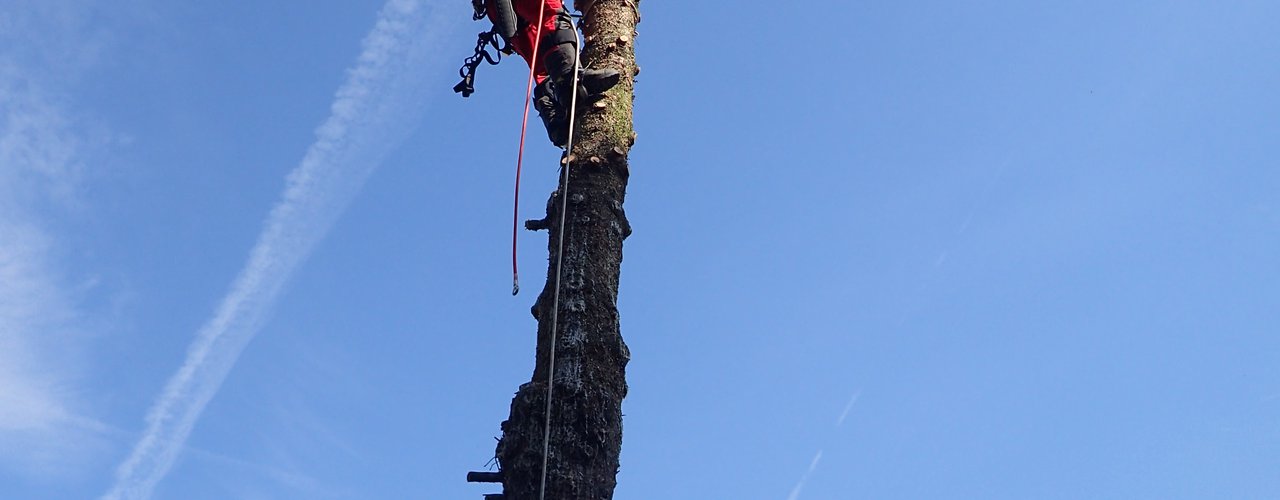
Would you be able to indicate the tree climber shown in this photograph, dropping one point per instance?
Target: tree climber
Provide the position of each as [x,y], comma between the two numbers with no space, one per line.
[516,22]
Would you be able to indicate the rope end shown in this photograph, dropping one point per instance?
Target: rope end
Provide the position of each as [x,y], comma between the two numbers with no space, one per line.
[515,286]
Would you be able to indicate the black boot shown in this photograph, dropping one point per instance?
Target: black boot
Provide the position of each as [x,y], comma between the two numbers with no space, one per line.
[554,117]
[597,81]
[592,83]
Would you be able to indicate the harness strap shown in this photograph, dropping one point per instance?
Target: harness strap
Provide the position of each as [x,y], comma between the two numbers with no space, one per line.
[484,41]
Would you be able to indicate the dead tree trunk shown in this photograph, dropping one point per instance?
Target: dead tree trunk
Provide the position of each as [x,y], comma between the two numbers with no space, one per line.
[591,357]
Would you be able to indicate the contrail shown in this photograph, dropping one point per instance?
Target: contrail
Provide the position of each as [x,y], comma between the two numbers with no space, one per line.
[848,408]
[373,111]
[795,492]
[813,465]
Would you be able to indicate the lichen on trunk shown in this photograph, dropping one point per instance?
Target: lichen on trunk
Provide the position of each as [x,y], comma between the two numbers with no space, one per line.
[590,357]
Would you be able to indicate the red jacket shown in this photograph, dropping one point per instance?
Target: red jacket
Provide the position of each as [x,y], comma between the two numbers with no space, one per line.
[527,31]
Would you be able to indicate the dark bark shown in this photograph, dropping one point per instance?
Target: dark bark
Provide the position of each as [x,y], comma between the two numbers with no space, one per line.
[591,357]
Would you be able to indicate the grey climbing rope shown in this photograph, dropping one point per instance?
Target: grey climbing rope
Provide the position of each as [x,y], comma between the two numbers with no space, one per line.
[555,302]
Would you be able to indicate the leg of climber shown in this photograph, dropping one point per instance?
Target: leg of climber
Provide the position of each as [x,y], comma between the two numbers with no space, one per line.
[561,51]
[554,118]
[555,36]
[558,48]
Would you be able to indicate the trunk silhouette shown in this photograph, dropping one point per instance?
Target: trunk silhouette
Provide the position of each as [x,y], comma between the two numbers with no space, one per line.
[590,357]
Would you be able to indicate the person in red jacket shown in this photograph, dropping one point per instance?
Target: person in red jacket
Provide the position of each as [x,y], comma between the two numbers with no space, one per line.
[518,23]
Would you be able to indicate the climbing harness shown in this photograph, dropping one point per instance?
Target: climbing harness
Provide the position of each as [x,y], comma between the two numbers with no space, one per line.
[555,301]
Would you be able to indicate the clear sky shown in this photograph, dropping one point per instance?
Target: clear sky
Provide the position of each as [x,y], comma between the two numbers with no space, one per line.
[919,249]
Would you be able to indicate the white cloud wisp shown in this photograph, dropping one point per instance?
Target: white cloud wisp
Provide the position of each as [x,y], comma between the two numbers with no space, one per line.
[44,148]
[373,111]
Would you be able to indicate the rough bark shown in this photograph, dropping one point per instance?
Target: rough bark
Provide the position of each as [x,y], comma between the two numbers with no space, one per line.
[591,357]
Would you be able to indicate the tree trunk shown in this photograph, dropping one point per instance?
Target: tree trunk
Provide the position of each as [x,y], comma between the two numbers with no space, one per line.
[590,355]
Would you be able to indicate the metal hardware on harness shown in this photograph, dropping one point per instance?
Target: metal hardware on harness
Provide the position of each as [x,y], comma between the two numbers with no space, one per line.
[484,41]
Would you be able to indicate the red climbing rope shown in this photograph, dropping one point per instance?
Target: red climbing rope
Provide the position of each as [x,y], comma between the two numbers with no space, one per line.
[524,126]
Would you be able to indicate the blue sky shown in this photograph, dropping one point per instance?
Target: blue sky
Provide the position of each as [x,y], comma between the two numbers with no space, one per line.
[882,250]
